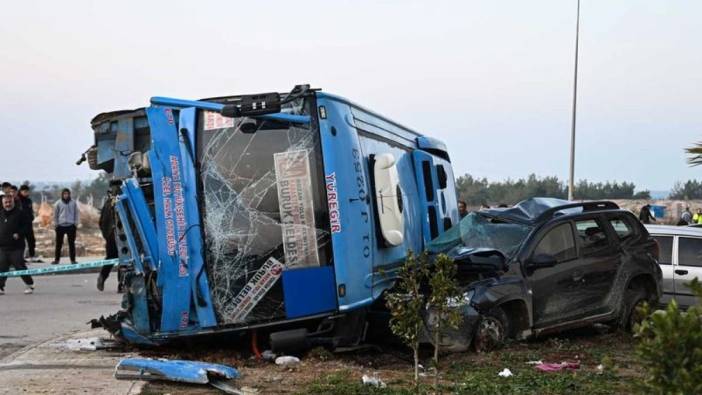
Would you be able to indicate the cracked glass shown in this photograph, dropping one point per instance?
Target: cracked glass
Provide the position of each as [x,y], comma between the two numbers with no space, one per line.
[265,209]
[481,231]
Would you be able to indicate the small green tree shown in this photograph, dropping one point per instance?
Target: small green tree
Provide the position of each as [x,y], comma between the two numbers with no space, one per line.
[671,347]
[442,302]
[406,304]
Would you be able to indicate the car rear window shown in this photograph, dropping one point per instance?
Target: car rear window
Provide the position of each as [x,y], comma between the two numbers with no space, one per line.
[622,228]
[665,243]
[558,242]
[689,251]
[592,236]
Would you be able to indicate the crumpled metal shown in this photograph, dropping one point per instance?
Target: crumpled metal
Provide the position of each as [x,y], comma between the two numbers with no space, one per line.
[173,370]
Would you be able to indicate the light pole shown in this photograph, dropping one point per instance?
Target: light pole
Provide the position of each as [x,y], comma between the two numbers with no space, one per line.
[571,180]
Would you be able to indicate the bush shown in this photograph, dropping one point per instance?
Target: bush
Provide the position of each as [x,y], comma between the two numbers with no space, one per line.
[670,349]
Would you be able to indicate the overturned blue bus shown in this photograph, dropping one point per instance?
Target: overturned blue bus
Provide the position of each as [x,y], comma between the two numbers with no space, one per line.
[288,212]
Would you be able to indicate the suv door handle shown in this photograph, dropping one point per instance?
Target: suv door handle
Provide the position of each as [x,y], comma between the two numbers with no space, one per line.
[680,272]
[578,276]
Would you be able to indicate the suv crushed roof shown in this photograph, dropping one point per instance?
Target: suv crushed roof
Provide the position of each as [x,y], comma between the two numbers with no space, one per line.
[540,209]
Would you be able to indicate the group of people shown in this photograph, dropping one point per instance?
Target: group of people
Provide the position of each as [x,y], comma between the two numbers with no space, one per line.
[17,232]
[16,219]
[687,218]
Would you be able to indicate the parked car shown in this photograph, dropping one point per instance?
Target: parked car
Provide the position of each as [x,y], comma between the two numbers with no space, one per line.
[680,260]
[546,265]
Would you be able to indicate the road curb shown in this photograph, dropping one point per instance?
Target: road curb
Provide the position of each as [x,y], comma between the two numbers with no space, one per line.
[47,367]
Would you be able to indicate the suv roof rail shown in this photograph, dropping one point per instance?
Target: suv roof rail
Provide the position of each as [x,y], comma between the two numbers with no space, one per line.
[586,206]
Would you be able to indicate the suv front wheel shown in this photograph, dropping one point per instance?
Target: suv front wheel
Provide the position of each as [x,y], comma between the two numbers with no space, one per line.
[491,331]
[634,299]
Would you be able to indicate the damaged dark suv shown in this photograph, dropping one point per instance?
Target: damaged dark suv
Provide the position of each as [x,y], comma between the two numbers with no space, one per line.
[546,265]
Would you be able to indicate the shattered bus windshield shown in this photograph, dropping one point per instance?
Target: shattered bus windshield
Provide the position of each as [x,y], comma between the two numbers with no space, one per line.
[264,205]
[480,231]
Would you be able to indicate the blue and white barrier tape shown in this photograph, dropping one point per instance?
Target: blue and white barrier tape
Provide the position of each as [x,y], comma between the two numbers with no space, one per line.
[60,268]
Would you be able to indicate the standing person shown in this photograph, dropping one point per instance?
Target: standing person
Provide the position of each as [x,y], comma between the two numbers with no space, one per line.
[66,223]
[15,194]
[28,208]
[13,228]
[686,217]
[645,215]
[107,228]
[462,208]
[697,216]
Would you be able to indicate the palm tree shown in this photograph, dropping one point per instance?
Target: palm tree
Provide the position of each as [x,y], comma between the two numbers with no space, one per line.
[694,154]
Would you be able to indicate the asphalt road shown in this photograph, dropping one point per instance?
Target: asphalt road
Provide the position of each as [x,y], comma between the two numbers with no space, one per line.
[60,304]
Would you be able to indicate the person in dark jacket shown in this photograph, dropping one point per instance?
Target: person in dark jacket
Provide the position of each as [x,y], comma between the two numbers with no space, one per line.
[13,230]
[6,188]
[107,228]
[14,192]
[28,208]
[462,209]
[645,215]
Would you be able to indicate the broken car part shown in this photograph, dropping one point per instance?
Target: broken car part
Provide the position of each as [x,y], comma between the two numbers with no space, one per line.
[180,371]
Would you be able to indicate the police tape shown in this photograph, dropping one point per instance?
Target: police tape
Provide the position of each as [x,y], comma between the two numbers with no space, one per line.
[60,268]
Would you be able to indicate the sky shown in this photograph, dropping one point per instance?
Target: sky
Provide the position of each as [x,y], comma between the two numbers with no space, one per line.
[493,79]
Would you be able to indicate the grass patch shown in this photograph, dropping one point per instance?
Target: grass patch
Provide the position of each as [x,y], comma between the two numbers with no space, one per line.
[322,372]
[470,373]
[484,380]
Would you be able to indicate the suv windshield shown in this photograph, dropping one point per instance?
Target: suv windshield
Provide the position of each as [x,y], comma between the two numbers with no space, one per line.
[477,230]
[264,197]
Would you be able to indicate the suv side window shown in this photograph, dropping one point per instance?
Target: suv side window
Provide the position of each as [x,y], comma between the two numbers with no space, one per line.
[559,243]
[591,234]
[622,227]
[689,251]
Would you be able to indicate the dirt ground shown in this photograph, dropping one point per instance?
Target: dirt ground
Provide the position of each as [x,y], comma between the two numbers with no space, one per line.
[321,372]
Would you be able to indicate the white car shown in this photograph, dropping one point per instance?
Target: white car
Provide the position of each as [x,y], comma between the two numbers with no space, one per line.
[680,260]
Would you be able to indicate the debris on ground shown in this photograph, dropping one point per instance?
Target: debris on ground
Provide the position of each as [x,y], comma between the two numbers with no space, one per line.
[539,362]
[322,354]
[557,367]
[228,388]
[87,344]
[287,360]
[374,381]
[465,373]
[181,371]
[505,373]
[422,372]
[268,355]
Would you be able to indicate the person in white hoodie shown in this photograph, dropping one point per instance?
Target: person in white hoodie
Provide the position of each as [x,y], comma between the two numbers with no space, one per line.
[66,219]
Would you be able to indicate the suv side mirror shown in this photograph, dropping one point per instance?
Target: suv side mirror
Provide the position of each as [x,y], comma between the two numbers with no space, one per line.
[541,260]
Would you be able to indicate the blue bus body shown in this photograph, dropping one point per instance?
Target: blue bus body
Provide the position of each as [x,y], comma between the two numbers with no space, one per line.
[232,223]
